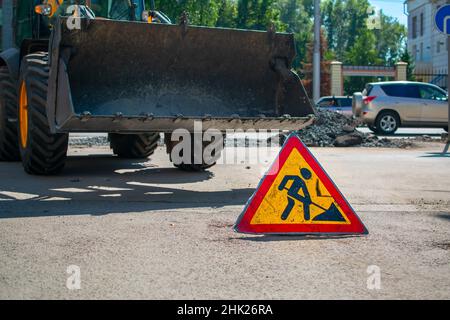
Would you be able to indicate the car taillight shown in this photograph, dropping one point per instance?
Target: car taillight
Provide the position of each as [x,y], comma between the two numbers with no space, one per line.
[368,99]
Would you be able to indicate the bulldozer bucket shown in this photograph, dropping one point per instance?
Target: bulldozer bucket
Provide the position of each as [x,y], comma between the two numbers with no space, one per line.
[121,76]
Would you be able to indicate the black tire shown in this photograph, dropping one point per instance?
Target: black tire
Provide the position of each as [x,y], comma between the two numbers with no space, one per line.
[387,122]
[44,153]
[134,146]
[9,147]
[188,166]
[445,128]
[194,167]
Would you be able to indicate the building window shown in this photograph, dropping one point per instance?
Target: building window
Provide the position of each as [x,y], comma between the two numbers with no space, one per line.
[414,49]
[414,27]
[421,24]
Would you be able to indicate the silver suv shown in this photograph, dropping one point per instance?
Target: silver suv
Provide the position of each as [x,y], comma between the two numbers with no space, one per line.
[385,106]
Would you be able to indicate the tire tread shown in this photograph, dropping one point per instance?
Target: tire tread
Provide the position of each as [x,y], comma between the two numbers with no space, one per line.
[46,152]
[9,146]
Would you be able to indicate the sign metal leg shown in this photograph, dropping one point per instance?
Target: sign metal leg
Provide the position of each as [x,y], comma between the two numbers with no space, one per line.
[447,145]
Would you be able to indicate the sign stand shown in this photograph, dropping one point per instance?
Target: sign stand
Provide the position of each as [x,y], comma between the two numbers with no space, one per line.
[442,21]
[447,145]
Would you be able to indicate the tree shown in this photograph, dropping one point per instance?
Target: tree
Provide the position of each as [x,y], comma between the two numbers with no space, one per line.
[406,57]
[343,21]
[351,42]
[258,15]
[362,53]
[242,13]
[391,39]
[226,14]
[297,20]
[201,12]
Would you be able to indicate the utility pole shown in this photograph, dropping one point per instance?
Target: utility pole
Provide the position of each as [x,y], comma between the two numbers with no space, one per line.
[316,56]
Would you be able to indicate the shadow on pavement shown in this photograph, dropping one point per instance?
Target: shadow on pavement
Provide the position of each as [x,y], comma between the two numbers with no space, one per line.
[405,135]
[112,185]
[443,215]
[435,155]
[269,238]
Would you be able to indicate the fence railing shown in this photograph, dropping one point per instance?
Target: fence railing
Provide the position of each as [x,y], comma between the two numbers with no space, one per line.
[439,79]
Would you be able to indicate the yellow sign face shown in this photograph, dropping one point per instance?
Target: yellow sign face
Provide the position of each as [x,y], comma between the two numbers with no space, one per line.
[297,196]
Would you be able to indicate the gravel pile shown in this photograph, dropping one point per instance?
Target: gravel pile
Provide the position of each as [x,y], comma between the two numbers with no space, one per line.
[332,129]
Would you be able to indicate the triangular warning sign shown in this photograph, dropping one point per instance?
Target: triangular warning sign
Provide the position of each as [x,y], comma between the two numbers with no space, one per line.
[296,196]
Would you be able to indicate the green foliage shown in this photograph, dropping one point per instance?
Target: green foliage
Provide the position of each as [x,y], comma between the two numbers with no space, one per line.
[257,14]
[245,14]
[344,21]
[353,43]
[362,53]
[296,19]
[226,15]
[406,57]
[391,39]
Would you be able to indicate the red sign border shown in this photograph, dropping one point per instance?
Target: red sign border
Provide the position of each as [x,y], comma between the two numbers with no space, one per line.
[243,222]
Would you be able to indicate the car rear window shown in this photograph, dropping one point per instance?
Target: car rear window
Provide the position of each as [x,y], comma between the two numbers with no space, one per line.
[401,90]
[323,102]
[367,90]
[345,102]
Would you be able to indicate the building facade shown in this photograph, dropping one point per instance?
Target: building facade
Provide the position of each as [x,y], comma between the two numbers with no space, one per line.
[426,44]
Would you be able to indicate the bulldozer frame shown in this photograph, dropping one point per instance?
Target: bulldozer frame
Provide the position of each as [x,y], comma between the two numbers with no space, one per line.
[140,76]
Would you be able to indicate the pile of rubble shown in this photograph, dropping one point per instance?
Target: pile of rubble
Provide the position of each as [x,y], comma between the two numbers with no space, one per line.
[332,129]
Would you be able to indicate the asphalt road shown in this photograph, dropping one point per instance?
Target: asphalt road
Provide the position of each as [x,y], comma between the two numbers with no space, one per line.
[145,230]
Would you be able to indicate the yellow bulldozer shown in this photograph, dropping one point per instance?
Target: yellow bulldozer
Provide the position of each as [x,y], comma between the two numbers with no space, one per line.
[115,66]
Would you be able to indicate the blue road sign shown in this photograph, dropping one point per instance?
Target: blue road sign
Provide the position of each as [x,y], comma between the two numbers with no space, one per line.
[442,19]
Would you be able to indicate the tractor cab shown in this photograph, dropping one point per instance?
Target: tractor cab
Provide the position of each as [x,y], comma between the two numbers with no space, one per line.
[131,10]
[35,17]
[118,9]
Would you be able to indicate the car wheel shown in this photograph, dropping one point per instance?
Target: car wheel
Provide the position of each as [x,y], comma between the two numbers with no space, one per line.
[387,122]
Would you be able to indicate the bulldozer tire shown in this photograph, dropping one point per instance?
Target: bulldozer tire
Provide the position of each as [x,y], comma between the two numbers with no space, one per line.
[187,166]
[9,147]
[134,146]
[43,153]
[194,167]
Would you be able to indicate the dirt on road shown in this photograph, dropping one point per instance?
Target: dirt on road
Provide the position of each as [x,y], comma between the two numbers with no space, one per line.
[143,229]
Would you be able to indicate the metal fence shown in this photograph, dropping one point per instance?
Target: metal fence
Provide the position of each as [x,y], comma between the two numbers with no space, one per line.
[439,79]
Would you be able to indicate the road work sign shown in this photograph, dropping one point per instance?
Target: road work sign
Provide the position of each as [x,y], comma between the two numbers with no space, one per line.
[296,196]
